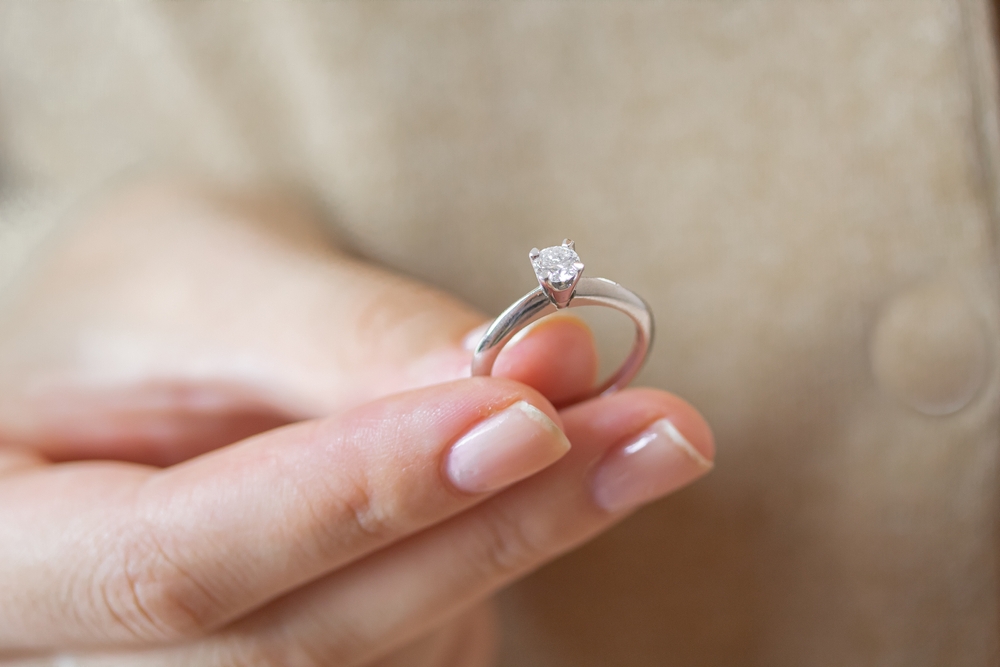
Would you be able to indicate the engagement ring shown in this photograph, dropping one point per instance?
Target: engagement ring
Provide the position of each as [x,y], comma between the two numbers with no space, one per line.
[560,285]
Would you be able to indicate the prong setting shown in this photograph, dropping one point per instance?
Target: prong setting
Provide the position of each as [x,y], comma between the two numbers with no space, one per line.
[558,269]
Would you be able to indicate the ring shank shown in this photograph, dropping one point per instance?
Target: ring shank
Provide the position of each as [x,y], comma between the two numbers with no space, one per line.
[589,292]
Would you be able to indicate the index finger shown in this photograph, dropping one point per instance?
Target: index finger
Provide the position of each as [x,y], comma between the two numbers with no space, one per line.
[98,554]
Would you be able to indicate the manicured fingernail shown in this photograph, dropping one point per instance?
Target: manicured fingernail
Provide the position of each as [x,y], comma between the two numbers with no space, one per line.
[657,462]
[509,446]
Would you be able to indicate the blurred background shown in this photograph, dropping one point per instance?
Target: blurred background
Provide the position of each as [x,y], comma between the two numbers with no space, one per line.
[805,191]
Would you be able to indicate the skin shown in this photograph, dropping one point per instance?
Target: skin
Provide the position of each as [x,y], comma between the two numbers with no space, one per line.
[222,443]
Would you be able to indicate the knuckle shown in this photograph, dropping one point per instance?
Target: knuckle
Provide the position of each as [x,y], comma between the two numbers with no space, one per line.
[150,595]
[506,547]
[367,513]
[352,511]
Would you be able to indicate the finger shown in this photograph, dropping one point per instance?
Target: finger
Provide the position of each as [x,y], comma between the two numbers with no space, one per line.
[116,554]
[139,340]
[556,355]
[628,449]
[468,640]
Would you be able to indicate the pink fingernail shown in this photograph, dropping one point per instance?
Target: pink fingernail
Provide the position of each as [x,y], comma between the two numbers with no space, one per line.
[657,462]
[509,446]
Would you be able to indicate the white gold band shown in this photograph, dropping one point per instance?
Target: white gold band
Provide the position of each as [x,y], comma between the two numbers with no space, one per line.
[588,292]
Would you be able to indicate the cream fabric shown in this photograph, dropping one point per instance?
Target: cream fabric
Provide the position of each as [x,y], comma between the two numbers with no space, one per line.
[804,191]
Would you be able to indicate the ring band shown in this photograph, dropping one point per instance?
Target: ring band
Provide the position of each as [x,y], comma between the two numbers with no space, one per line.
[558,271]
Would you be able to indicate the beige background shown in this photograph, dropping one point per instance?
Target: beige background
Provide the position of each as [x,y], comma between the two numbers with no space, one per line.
[804,190]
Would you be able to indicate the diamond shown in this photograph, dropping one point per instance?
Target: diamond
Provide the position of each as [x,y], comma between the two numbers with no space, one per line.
[559,266]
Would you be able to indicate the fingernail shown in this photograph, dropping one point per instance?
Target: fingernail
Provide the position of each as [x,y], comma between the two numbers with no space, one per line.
[658,461]
[509,446]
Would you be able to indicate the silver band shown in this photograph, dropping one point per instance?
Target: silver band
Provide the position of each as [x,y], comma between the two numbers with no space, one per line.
[543,301]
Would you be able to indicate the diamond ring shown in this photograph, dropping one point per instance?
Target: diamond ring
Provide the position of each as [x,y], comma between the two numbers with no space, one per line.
[561,285]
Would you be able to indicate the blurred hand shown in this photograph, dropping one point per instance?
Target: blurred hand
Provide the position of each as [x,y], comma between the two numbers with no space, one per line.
[222,442]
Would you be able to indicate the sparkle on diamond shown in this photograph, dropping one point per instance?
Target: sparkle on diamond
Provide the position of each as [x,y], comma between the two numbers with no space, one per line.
[555,266]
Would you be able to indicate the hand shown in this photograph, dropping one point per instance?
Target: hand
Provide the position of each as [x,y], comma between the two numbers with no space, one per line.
[176,328]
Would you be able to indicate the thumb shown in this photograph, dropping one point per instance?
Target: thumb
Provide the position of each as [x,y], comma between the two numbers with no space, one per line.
[398,334]
[175,319]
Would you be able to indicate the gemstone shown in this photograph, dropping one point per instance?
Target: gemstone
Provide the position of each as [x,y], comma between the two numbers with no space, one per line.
[556,266]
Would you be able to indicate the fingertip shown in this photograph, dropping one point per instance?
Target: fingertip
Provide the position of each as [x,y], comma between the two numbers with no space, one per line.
[495,393]
[645,444]
[509,446]
[692,425]
[557,356]
[610,419]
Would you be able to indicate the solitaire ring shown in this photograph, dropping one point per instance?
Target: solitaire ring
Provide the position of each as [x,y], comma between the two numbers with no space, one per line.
[561,285]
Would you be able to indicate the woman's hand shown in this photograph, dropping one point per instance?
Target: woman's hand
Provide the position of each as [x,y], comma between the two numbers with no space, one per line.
[172,335]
